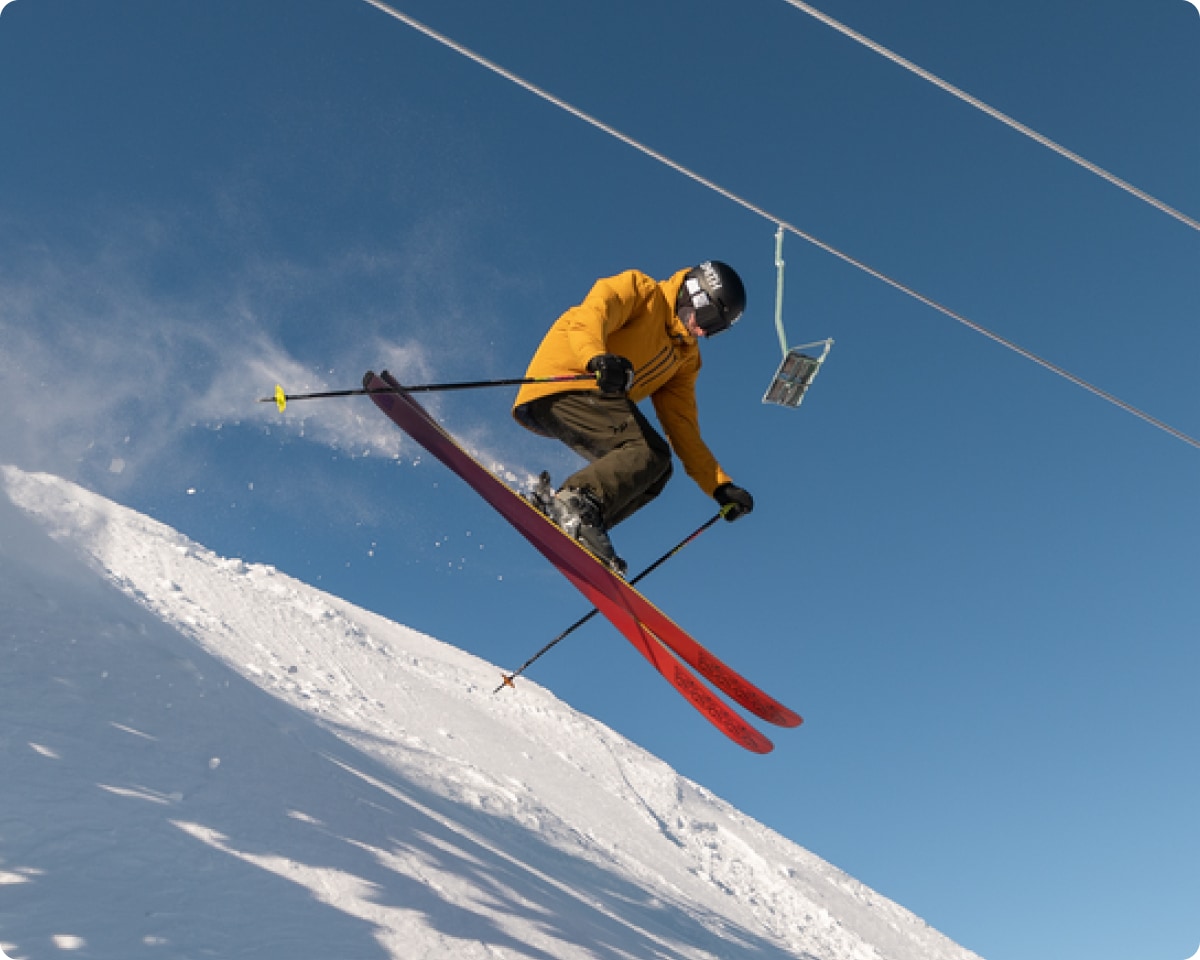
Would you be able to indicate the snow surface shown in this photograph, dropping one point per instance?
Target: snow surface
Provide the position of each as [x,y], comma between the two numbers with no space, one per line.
[201,757]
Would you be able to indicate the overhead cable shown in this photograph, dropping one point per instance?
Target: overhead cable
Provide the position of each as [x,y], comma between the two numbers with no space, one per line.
[780,223]
[994,113]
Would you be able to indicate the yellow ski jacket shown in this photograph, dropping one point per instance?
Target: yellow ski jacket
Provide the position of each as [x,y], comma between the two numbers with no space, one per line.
[633,315]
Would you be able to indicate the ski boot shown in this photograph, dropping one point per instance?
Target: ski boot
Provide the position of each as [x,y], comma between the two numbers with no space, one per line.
[577,514]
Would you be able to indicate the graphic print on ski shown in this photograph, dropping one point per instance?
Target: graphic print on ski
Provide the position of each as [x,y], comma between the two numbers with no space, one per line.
[635,616]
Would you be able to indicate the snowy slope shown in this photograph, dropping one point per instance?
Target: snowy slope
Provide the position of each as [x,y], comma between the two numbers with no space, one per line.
[205,758]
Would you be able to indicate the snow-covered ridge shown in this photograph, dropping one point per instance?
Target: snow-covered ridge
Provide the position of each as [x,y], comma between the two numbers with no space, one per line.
[215,759]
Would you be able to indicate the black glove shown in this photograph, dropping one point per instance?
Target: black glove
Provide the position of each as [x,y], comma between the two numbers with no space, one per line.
[735,502]
[614,374]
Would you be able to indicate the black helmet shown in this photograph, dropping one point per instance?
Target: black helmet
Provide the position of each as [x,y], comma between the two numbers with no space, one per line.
[715,292]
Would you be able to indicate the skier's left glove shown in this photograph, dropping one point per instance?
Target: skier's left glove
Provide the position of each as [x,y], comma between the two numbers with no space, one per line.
[735,502]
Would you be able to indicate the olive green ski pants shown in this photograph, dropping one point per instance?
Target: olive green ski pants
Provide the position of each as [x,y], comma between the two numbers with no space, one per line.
[629,463]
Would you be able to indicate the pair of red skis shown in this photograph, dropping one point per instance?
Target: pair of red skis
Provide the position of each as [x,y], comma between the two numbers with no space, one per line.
[661,641]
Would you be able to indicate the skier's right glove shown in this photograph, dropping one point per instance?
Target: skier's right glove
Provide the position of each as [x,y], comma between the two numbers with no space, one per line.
[614,374]
[735,502]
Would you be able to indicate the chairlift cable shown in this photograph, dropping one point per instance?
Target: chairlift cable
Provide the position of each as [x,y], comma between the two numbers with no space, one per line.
[779,222]
[994,113]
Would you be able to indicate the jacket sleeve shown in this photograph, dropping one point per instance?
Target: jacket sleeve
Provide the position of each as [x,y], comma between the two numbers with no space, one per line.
[606,308]
[675,405]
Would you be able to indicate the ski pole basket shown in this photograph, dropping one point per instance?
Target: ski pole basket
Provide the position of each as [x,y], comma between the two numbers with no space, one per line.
[798,369]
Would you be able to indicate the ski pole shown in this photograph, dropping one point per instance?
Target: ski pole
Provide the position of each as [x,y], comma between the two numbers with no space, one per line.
[510,677]
[281,399]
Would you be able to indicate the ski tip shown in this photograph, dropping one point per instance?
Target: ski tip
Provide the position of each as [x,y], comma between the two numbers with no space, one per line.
[752,740]
[787,718]
[280,398]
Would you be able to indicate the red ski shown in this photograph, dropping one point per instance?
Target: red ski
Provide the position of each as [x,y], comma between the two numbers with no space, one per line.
[661,641]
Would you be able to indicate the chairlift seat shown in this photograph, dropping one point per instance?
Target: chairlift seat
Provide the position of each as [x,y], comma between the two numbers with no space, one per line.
[795,375]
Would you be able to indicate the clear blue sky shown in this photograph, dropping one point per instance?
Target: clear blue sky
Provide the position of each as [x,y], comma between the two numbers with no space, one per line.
[976,581]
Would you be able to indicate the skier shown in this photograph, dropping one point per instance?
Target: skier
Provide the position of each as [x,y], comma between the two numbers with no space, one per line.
[640,338]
